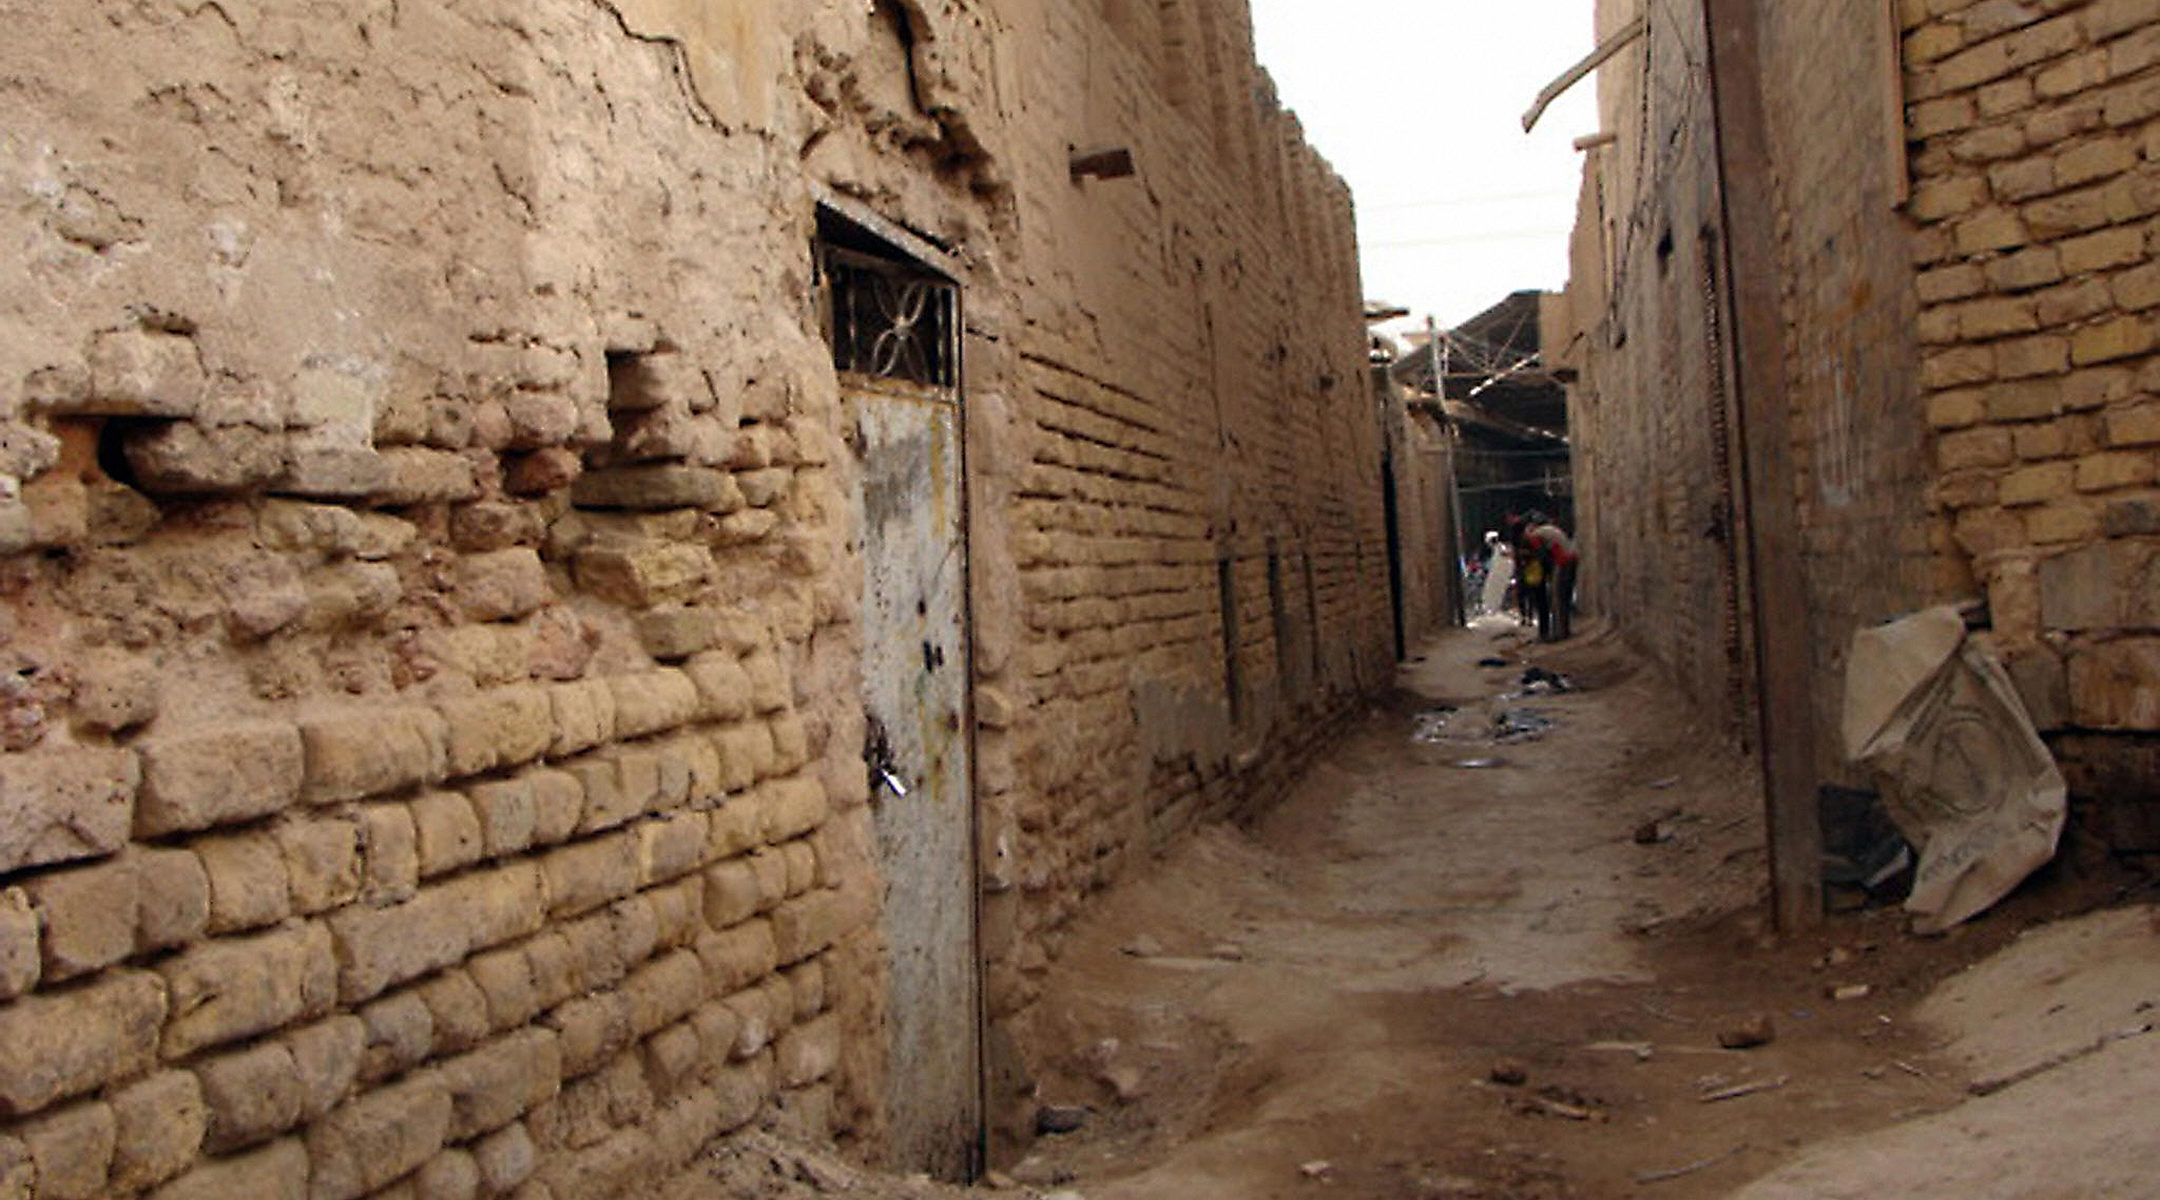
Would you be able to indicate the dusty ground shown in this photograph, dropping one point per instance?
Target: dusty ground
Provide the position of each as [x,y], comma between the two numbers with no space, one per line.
[1428,974]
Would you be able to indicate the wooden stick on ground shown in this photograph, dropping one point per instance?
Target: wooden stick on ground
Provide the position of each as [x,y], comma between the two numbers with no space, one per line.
[1746,1089]
[1690,1169]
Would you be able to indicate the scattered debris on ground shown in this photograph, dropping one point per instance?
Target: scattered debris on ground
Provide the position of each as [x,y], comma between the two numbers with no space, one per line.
[1746,1034]
[764,1165]
[1459,981]
[1412,981]
[1520,725]
[1537,681]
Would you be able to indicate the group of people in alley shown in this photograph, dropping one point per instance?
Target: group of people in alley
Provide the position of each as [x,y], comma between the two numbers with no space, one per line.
[1529,566]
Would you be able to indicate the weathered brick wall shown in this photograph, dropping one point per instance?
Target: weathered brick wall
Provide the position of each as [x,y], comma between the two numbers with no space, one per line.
[1419,454]
[1648,418]
[1657,449]
[431,707]
[1194,514]
[1872,541]
[2036,136]
[1971,376]
[416,766]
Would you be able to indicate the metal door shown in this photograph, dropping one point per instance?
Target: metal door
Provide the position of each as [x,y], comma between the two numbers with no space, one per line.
[915,677]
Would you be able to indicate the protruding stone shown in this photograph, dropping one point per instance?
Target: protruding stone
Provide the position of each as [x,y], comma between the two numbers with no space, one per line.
[73,1151]
[181,458]
[1748,1033]
[248,884]
[55,1045]
[218,775]
[172,903]
[115,692]
[278,1171]
[506,1158]
[374,1139]
[327,1058]
[641,576]
[263,594]
[252,1095]
[372,752]
[64,804]
[542,471]
[159,1123]
[19,960]
[659,488]
[674,634]
[237,987]
[638,382]
[333,474]
[139,373]
[88,916]
[419,476]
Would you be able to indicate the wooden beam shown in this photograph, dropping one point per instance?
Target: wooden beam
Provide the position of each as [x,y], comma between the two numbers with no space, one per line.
[1893,81]
[1574,75]
[1784,646]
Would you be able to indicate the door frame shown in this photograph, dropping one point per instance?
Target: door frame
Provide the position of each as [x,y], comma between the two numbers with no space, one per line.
[856,224]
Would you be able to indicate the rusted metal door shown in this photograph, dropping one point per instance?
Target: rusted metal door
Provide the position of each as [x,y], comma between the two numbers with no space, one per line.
[915,670]
[892,309]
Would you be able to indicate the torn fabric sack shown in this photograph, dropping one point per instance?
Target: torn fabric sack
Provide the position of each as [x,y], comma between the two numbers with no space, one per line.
[1963,773]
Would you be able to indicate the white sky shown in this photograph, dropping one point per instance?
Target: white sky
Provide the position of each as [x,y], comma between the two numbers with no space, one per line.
[1418,104]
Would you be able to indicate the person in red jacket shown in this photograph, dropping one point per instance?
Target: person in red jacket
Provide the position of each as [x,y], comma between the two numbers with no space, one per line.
[1547,543]
[1530,575]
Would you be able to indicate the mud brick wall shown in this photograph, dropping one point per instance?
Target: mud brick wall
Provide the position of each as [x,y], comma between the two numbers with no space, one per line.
[431,736]
[1424,516]
[1659,458]
[1874,543]
[2036,134]
[1190,495]
[426,571]
[1649,417]
[1971,370]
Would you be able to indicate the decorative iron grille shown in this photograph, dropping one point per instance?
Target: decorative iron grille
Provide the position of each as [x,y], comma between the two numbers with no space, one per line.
[891,321]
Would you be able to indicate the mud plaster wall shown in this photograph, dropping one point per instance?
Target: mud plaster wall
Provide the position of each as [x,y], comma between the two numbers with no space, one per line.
[433,737]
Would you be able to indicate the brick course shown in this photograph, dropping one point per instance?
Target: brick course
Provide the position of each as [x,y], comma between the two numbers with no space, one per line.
[1970,376]
[2089,189]
[447,772]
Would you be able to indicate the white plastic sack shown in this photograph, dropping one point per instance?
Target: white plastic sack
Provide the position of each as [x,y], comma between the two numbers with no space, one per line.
[1964,775]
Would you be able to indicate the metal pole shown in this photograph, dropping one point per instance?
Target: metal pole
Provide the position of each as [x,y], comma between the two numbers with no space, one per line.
[1785,669]
[1457,535]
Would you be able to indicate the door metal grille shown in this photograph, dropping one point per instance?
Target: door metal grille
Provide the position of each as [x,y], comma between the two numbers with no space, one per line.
[889,321]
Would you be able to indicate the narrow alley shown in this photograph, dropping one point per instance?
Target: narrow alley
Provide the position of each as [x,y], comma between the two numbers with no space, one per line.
[786,598]
[1533,968]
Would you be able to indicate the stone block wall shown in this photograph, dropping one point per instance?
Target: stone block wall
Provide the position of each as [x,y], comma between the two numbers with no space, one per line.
[431,709]
[2036,160]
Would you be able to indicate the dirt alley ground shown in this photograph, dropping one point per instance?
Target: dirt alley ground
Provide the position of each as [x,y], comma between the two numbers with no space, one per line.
[1455,967]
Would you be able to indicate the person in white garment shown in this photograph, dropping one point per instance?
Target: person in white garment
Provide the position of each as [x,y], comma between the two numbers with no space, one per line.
[1499,574]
